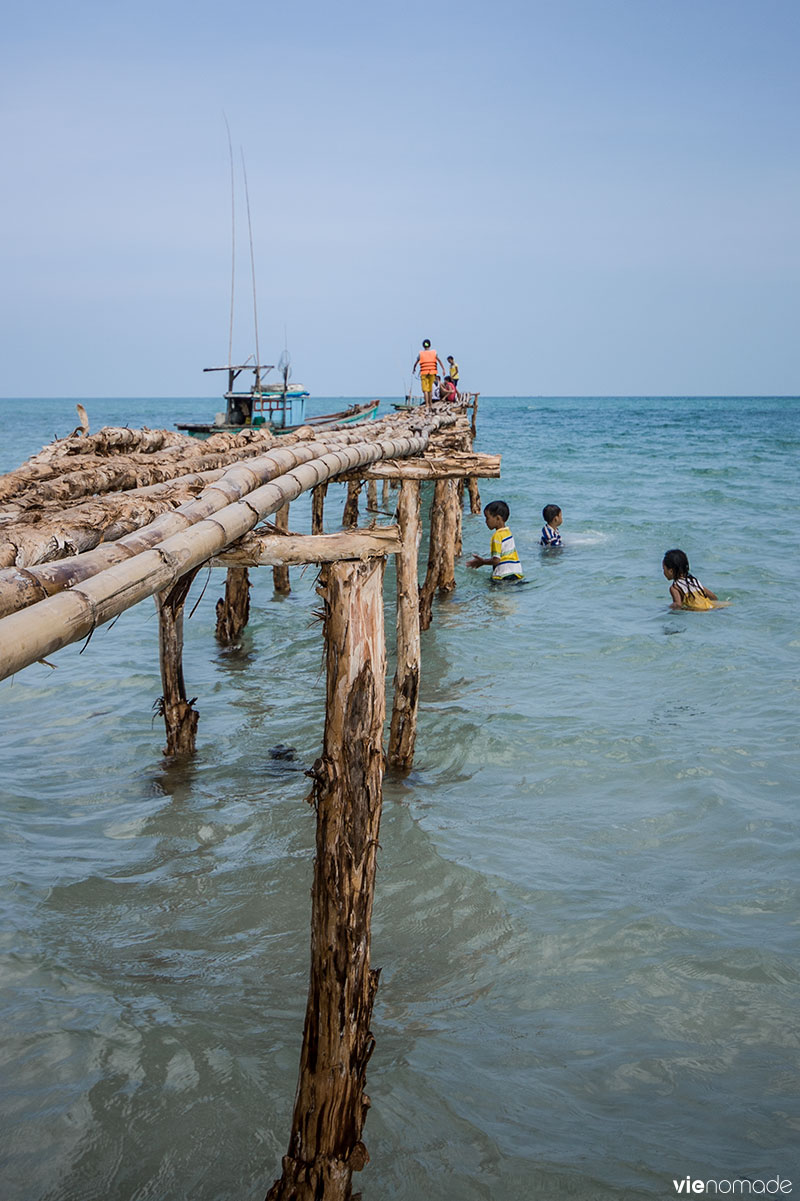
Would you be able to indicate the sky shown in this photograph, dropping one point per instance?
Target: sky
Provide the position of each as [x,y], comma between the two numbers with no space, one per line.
[572,197]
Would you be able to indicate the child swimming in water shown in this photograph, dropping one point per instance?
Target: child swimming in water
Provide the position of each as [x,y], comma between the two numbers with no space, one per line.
[686,590]
[552,520]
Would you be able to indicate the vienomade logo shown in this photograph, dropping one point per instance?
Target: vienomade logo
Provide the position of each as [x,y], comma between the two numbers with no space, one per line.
[741,1186]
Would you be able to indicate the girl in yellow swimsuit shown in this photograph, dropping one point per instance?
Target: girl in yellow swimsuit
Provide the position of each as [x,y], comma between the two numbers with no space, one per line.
[686,590]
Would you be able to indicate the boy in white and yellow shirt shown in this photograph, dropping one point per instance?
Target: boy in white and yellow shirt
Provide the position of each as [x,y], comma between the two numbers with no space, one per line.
[503,558]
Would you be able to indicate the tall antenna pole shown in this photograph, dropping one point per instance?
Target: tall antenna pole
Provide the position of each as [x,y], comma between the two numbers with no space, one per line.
[253,273]
[233,244]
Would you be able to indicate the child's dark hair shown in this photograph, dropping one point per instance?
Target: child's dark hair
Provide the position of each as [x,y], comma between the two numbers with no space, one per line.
[677,562]
[550,511]
[496,508]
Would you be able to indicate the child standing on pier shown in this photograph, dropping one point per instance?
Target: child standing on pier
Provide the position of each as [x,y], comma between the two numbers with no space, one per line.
[503,558]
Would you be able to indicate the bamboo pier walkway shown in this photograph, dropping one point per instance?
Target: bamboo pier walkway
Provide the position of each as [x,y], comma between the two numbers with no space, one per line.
[95,524]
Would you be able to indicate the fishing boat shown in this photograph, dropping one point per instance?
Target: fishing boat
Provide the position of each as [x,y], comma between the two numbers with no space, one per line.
[278,407]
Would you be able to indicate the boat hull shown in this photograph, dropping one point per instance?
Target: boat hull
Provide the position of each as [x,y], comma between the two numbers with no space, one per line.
[351,416]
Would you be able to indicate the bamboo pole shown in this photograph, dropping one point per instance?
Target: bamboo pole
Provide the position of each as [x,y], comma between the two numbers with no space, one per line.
[318,509]
[403,732]
[233,610]
[350,514]
[280,573]
[180,716]
[71,615]
[432,575]
[325,1146]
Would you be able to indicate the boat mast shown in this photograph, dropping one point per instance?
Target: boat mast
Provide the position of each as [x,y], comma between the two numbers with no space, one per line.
[233,256]
[253,273]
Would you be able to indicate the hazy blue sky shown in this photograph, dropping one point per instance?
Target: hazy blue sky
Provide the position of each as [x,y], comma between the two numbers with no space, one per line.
[571,196]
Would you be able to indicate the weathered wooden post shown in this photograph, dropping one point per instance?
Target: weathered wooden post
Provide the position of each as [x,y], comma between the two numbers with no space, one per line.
[280,575]
[459,547]
[325,1146]
[385,494]
[180,716]
[447,557]
[318,508]
[233,610]
[434,571]
[350,514]
[403,732]
[372,496]
[474,495]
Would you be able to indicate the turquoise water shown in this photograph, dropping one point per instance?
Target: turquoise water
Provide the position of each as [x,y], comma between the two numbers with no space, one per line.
[587,902]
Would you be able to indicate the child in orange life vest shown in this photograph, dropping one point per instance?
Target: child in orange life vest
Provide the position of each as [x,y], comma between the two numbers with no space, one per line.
[427,360]
[686,590]
[503,558]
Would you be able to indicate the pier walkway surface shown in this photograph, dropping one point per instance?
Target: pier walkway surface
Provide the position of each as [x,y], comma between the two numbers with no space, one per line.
[95,524]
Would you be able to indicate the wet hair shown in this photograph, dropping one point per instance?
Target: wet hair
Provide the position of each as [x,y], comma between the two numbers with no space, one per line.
[677,562]
[550,511]
[426,343]
[496,508]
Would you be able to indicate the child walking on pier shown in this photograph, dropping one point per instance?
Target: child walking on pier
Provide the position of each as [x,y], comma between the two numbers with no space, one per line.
[503,558]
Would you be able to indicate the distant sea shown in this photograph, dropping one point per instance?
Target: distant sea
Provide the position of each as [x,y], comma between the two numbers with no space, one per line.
[587,910]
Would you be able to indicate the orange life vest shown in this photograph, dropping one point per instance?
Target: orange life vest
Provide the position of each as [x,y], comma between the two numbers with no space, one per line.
[427,362]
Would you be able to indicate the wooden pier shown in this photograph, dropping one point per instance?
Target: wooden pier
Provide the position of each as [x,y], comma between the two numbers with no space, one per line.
[95,524]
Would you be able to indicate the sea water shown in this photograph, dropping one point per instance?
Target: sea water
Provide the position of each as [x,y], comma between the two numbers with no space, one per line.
[587,898]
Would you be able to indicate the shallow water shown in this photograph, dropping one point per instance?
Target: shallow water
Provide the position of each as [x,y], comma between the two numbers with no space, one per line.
[587,902]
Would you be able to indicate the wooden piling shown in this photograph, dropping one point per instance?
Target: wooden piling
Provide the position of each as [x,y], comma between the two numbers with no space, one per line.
[447,553]
[318,509]
[280,575]
[474,495]
[233,610]
[403,732]
[180,716]
[372,496]
[350,514]
[325,1146]
[434,571]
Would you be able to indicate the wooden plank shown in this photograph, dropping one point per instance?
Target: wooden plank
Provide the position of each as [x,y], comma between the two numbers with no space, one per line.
[455,465]
[274,550]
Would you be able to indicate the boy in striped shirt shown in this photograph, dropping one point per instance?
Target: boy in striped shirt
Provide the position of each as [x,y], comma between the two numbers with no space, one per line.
[503,558]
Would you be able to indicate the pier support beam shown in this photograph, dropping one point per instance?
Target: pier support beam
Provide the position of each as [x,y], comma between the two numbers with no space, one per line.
[233,610]
[325,1146]
[350,514]
[372,496]
[280,575]
[180,716]
[403,733]
[474,495]
[433,574]
[447,555]
[318,509]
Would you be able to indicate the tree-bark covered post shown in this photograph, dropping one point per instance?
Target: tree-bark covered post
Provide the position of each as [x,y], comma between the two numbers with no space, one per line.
[233,610]
[180,716]
[325,1146]
[431,581]
[350,514]
[403,733]
[447,558]
[474,495]
[280,575]
[372,496]
[318,509]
